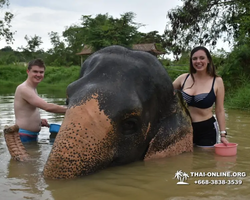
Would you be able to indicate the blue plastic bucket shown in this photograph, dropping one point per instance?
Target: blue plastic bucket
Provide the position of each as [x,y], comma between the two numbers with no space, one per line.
[54,128]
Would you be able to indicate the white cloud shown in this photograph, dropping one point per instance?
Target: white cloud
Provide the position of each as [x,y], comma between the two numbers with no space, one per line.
[42,16]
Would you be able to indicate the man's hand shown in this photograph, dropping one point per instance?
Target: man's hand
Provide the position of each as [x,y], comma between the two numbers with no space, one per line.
[44,122]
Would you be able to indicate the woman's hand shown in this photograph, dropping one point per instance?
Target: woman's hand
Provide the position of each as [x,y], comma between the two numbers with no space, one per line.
[224,140]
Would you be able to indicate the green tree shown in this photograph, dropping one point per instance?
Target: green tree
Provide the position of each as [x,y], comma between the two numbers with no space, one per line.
[153,37]
[31,50]
[202,22]
[74,37]
[97,32]
[235,68]
[7,56]
[33,43]
[104,30]
[5,32]
[60,54]
[7,48]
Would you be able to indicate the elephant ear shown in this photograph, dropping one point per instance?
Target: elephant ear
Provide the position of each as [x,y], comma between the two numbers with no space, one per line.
[175,134]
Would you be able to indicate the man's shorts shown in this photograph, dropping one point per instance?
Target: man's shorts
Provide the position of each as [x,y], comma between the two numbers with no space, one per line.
[27,136]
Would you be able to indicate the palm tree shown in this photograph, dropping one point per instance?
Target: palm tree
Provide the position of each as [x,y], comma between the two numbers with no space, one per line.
[181,176]
[178,175]
[185,176]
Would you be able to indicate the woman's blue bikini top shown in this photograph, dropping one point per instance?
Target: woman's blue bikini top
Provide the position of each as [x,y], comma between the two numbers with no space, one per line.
[203,101]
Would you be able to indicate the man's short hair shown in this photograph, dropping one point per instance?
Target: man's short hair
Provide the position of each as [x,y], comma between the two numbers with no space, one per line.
[36,62]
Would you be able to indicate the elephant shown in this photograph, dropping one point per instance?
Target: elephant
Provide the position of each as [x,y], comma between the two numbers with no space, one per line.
[122,109]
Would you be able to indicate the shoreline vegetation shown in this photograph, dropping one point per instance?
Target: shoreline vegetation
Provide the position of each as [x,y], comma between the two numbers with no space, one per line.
[58,78]
[55,81]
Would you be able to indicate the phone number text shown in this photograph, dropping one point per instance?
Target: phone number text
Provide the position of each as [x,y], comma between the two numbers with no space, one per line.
[218,182]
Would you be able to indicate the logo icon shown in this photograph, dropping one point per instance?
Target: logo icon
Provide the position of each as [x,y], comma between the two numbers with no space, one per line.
[181,176]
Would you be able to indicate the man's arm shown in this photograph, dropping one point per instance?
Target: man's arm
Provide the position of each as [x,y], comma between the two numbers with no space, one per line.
[32,98]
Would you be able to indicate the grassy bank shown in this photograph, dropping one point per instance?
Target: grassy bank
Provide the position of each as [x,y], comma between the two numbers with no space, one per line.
[58,78]
[238,98]
[176,70]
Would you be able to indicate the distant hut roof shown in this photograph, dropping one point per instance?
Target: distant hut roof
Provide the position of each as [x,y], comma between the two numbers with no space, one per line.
[150,47]
[87,50]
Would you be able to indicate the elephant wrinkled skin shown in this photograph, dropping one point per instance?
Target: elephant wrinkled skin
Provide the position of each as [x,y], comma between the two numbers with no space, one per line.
[123,108]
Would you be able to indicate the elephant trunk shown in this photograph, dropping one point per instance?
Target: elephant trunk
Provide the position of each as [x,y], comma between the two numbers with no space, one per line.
[14,144]
[83,144]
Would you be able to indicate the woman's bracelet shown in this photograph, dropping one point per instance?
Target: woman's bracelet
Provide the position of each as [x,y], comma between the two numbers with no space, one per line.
[223,132]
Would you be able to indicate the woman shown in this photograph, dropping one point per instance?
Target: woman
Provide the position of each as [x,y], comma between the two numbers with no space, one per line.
[201,88]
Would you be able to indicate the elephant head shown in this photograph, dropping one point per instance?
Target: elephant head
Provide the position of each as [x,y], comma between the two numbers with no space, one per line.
[122,109]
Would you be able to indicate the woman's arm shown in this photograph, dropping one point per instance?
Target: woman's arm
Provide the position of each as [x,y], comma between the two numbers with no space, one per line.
[178,81]
[219,107]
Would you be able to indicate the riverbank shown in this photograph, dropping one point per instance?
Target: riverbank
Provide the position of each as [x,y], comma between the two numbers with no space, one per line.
[58,78]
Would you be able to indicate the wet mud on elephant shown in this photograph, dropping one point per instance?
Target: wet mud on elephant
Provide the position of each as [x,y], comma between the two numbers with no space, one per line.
[122,109]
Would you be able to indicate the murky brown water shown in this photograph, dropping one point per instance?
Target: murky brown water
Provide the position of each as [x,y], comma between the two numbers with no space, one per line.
[140,180]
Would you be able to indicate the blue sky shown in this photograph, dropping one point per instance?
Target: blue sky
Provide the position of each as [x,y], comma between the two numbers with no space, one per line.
[40,17]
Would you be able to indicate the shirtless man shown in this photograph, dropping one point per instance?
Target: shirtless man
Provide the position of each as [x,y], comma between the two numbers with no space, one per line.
[27,103]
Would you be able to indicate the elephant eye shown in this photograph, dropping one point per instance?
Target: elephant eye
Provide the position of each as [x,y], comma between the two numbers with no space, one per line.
[67,101]
[129,126]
